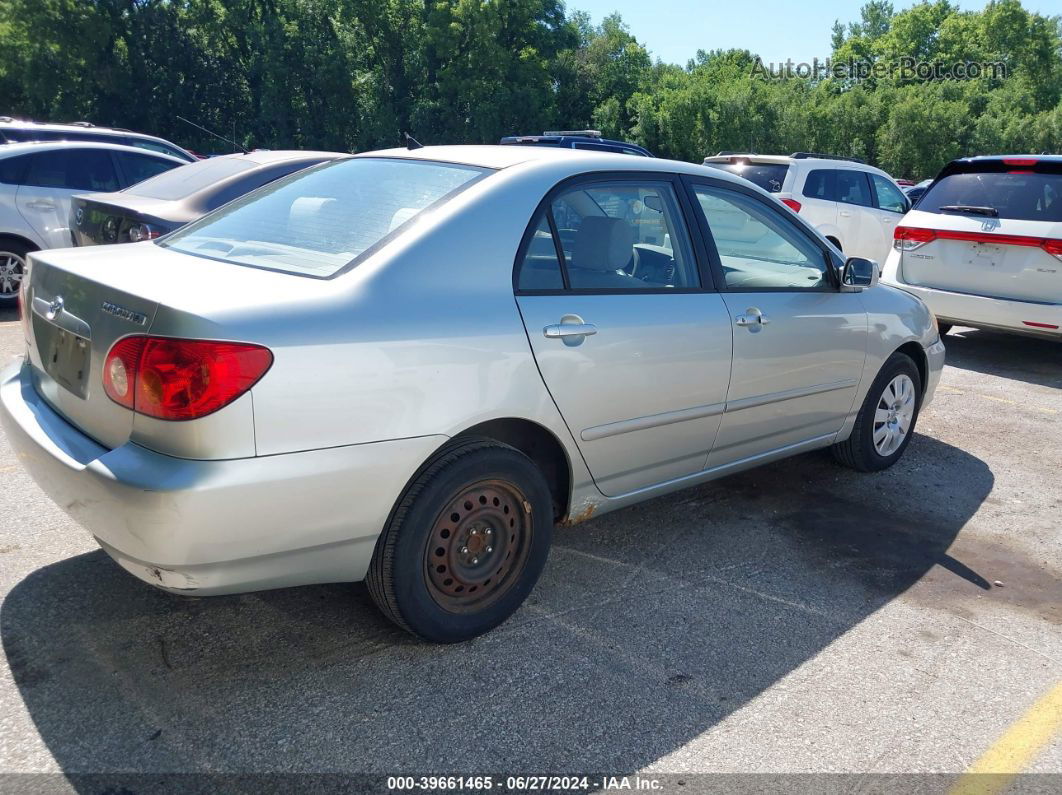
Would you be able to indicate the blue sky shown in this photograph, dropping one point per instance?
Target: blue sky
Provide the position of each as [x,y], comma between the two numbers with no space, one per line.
[674,30]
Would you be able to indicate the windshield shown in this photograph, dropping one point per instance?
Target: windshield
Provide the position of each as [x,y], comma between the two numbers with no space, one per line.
[316,222]
[768,176]
[1018,195]
[186,180]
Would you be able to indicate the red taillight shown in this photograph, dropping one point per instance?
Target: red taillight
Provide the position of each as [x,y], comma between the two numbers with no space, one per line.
[1020,161]
[175,379]
[1034,324]
[1053,247]
[792,204]
[908,238]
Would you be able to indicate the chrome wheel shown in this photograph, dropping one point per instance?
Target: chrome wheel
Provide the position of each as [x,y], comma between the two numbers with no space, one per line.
[894,415]
[11,269]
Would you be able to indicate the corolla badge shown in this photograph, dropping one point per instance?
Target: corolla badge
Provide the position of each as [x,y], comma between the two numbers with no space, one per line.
[125,314]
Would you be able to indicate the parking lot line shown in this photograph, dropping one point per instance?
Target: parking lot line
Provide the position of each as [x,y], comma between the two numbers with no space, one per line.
[1015,749]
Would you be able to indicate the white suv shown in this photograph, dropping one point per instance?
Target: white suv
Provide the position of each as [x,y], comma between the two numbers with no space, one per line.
[855,206]
[17,131]
[984,246]
[36,183]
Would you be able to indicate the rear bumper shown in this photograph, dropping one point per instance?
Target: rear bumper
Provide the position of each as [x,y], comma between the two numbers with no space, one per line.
[210,527]
[979,311]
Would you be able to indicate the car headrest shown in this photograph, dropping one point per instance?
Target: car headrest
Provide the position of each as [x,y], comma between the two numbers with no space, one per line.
[309,215]
[603,244]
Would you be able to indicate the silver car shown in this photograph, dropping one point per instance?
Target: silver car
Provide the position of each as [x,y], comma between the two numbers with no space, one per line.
[408,366]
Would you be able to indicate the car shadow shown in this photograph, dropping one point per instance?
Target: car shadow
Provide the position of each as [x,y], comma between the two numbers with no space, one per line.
[649,626]
[8,313]
[1029,359]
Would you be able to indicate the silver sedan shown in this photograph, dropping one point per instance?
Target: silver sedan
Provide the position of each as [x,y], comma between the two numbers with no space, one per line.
[408,366]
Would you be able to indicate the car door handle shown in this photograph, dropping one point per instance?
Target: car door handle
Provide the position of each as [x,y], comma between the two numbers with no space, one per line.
[752,320]
[561,330]
[41,204]
[844,214]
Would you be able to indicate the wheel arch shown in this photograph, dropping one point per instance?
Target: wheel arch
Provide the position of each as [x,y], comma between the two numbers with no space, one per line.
[536,442]
[25,241]
[917,354]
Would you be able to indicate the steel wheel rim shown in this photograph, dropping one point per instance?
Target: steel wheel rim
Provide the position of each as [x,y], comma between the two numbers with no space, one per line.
[478,546]
[12,266]
[894,415]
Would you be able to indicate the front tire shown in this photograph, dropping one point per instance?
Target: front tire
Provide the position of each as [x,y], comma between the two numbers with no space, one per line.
[466,543]
[886,420]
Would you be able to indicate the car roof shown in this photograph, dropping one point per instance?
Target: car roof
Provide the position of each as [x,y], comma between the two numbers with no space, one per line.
[10,150]
[496,156]
[997,158]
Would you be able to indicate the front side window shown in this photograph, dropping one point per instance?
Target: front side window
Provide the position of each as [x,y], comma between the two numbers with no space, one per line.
[889,196]
[852,187]
[622,236]
[759,248]
[73,169]
[318,221]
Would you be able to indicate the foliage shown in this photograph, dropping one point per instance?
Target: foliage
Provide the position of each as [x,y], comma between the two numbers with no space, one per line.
[352,74]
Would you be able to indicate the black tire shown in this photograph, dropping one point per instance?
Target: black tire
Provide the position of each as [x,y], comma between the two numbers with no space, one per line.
[858,451]
[944,328]
[11,248]
[423,575]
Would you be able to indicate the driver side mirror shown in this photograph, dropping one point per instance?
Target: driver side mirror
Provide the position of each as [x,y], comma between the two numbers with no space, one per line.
[857,274]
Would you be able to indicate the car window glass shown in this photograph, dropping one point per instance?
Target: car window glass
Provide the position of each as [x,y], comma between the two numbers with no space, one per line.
[818,185]
[73,169]
[759,248]
[540,268]
[12,169]
[1014,194]
[889,196]
[852,187]
[137,168]
[621,235]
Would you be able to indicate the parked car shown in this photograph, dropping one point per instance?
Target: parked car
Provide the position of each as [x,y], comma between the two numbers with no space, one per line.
[449,349]
[983,248]
[915,192]
[19,131]
[854,205]
[37,181]
[165,202]
[588,140]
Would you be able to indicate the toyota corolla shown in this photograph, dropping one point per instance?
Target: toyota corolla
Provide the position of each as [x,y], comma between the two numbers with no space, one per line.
[408,366]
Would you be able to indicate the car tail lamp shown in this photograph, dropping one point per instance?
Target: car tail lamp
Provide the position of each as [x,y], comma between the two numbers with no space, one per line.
[1054,248]
[1020,161]
[792,204]
[174,379]
[908,238]
[138,232]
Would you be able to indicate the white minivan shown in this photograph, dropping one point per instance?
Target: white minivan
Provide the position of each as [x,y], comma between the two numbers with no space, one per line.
[984,246]
[855,206]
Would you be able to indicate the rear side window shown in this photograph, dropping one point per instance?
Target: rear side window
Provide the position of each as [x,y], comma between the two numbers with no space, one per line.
[852,187]
[769,176]
[72,169]
[12,169]
[540,268]
[1015,194]
[820,185]
[316,222]
[137,168]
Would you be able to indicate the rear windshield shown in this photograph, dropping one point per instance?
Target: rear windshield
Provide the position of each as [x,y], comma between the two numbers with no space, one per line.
[768,176]
[1018,195]
[186,180]
[316,222]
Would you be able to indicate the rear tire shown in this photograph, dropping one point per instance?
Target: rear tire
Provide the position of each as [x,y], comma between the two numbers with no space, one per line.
[886,420]
[465,544]
[12,266]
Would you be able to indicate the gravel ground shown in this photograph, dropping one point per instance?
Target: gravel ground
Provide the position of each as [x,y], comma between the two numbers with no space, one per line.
[800,618]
